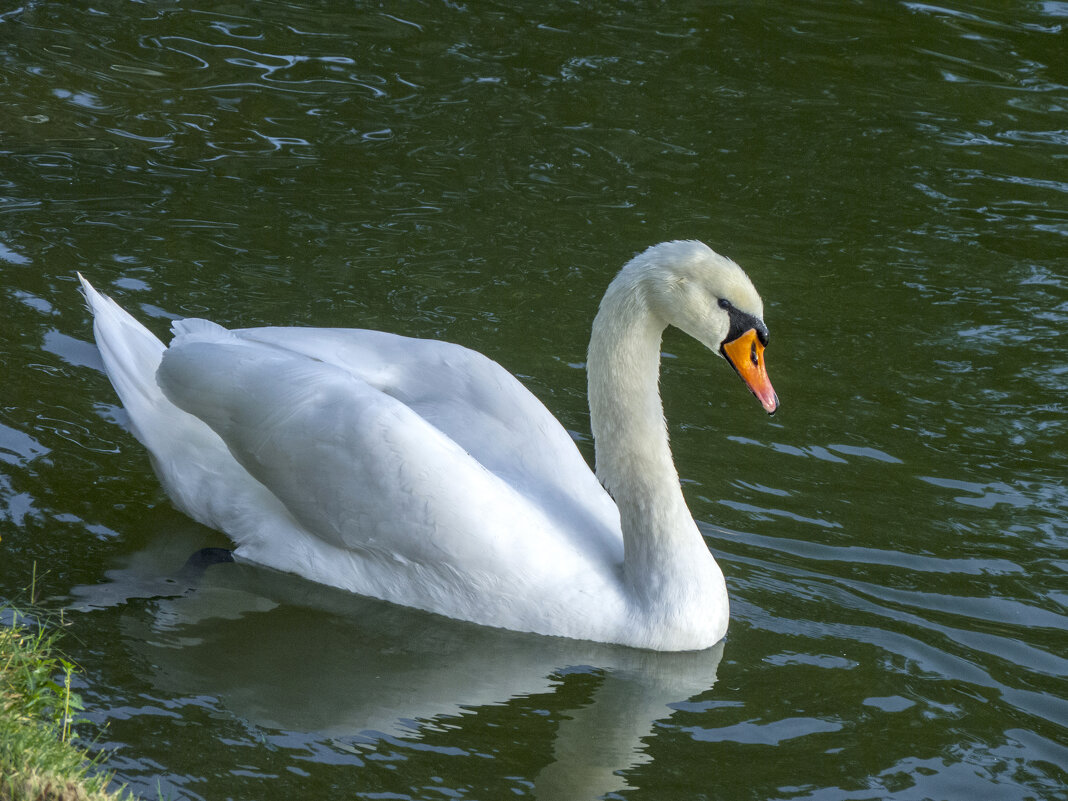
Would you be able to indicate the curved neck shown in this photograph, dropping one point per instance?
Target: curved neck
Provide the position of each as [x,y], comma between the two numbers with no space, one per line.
[662,546]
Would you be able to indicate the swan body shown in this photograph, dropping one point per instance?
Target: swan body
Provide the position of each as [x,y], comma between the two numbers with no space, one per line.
[423,473]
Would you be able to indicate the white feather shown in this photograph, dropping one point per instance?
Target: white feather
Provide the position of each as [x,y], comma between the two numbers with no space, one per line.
[423,473]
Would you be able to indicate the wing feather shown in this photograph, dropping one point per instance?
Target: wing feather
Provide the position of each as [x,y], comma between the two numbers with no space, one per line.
[359,468]
[481,407]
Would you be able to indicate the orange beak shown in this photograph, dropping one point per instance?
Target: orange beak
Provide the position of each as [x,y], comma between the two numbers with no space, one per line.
[746,355]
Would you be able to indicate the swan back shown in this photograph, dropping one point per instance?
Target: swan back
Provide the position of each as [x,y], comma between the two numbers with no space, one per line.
[388,458]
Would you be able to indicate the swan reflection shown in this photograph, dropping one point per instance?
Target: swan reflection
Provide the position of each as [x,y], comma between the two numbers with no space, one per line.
[284,653]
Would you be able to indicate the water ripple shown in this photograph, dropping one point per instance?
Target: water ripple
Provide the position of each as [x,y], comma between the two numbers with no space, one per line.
[893,540]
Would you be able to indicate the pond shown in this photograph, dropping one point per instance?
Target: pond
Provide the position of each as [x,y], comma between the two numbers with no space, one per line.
[892,175]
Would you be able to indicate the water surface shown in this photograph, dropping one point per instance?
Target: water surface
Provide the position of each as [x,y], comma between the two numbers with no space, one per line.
[891,174]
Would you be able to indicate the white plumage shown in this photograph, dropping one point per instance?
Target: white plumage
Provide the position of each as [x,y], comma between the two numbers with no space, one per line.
[423,473]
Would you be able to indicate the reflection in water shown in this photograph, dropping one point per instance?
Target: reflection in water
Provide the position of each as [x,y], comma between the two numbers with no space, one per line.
[283,653]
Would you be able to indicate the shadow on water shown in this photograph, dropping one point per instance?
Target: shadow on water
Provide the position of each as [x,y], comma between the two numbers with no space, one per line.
[320,664]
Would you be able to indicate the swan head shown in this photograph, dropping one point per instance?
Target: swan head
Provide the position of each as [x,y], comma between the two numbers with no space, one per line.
[688,285]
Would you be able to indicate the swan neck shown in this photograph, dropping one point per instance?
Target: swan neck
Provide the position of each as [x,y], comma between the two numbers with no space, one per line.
[633,455]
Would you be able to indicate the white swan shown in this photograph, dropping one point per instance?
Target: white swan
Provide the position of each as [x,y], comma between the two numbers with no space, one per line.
[423,473]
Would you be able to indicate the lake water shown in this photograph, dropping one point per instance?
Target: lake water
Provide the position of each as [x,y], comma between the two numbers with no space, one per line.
[894,177]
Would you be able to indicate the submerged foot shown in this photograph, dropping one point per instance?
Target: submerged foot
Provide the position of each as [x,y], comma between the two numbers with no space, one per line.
[194,567]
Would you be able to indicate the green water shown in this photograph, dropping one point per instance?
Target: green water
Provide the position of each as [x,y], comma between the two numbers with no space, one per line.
[893,175]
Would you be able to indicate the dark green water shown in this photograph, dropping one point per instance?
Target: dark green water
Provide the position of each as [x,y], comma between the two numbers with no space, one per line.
[893,175]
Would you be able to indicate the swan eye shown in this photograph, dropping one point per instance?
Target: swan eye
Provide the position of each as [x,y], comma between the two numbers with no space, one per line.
[724,303]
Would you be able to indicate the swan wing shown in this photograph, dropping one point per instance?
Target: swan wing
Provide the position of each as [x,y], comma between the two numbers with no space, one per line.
[481,407]
[366,473]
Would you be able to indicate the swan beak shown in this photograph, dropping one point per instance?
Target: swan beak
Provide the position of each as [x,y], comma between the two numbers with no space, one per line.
[746,356]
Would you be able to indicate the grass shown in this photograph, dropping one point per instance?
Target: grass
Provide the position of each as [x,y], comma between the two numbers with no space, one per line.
[40,759]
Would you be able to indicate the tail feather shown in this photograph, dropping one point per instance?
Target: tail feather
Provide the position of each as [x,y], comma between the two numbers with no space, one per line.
[131,355]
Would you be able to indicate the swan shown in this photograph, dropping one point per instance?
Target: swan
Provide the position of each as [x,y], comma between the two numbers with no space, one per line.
[423,473]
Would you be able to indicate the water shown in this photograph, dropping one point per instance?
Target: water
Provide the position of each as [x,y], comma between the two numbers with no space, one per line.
[893,177]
